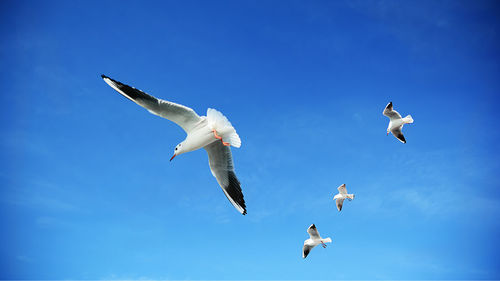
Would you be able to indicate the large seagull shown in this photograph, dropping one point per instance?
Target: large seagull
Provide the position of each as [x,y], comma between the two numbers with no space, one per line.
[396,122]
[341,196]
[313,241]
[212,132]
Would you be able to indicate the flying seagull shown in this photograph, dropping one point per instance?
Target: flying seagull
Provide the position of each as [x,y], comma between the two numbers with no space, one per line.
[339,198]
[212,132]
[396,122]
[314,241]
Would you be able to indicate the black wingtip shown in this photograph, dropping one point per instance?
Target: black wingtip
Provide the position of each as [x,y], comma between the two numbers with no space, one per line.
[104,76]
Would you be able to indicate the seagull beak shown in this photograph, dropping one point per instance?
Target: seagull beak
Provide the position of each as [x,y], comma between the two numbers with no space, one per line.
[387,133]
[173,157]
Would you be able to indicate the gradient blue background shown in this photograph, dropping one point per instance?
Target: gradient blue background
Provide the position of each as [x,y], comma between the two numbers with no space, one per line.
[87,191]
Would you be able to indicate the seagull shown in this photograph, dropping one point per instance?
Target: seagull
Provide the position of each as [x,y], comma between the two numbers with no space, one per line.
[396,122]
[314,241]
[212,132]
[341,196]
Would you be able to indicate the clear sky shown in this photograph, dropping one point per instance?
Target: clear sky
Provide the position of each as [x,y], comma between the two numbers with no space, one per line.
[87,191]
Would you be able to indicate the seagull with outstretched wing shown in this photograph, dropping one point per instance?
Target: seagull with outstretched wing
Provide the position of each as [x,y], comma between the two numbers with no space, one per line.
[396,122]
[314,240]
[213,132]
[341,196]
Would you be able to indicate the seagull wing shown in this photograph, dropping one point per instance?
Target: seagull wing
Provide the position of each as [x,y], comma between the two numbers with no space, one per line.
[398,134]
[313,232]
[339,202]
[179,114]
[221,165]
[342,189]
[305,250]
[389,112]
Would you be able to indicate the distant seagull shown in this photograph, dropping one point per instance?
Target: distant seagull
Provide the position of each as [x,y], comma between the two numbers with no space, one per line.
[212,132]
[341,196]
[314,241]
[396,122]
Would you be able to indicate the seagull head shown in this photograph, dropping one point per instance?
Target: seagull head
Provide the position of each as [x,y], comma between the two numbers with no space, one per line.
[177,151]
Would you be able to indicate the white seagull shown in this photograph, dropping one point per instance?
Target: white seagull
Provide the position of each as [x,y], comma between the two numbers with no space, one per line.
[339,198]
[212,132]
[396,122]
[314,241]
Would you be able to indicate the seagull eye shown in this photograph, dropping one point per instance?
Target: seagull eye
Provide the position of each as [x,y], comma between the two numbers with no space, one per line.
[176,148]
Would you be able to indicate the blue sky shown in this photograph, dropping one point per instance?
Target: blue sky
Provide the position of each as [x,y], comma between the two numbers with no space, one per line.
[87,191]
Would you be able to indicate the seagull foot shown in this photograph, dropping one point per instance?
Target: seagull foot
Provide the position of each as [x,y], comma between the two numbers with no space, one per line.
[220,138]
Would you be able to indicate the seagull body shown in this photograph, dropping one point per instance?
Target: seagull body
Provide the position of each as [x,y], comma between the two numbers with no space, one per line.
[206,131]
[314,240]
[339,198]
[396,122]
[213,132]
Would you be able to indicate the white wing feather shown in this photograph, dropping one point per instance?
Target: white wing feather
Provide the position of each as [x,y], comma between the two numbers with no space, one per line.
[179,114]
[313,232]
[339,202]
[342,189]
[389,112]
[221,166]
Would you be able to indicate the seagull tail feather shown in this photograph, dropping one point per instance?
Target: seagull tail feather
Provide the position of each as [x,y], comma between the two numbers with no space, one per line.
[223,127]
[327,240]
[408,119]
